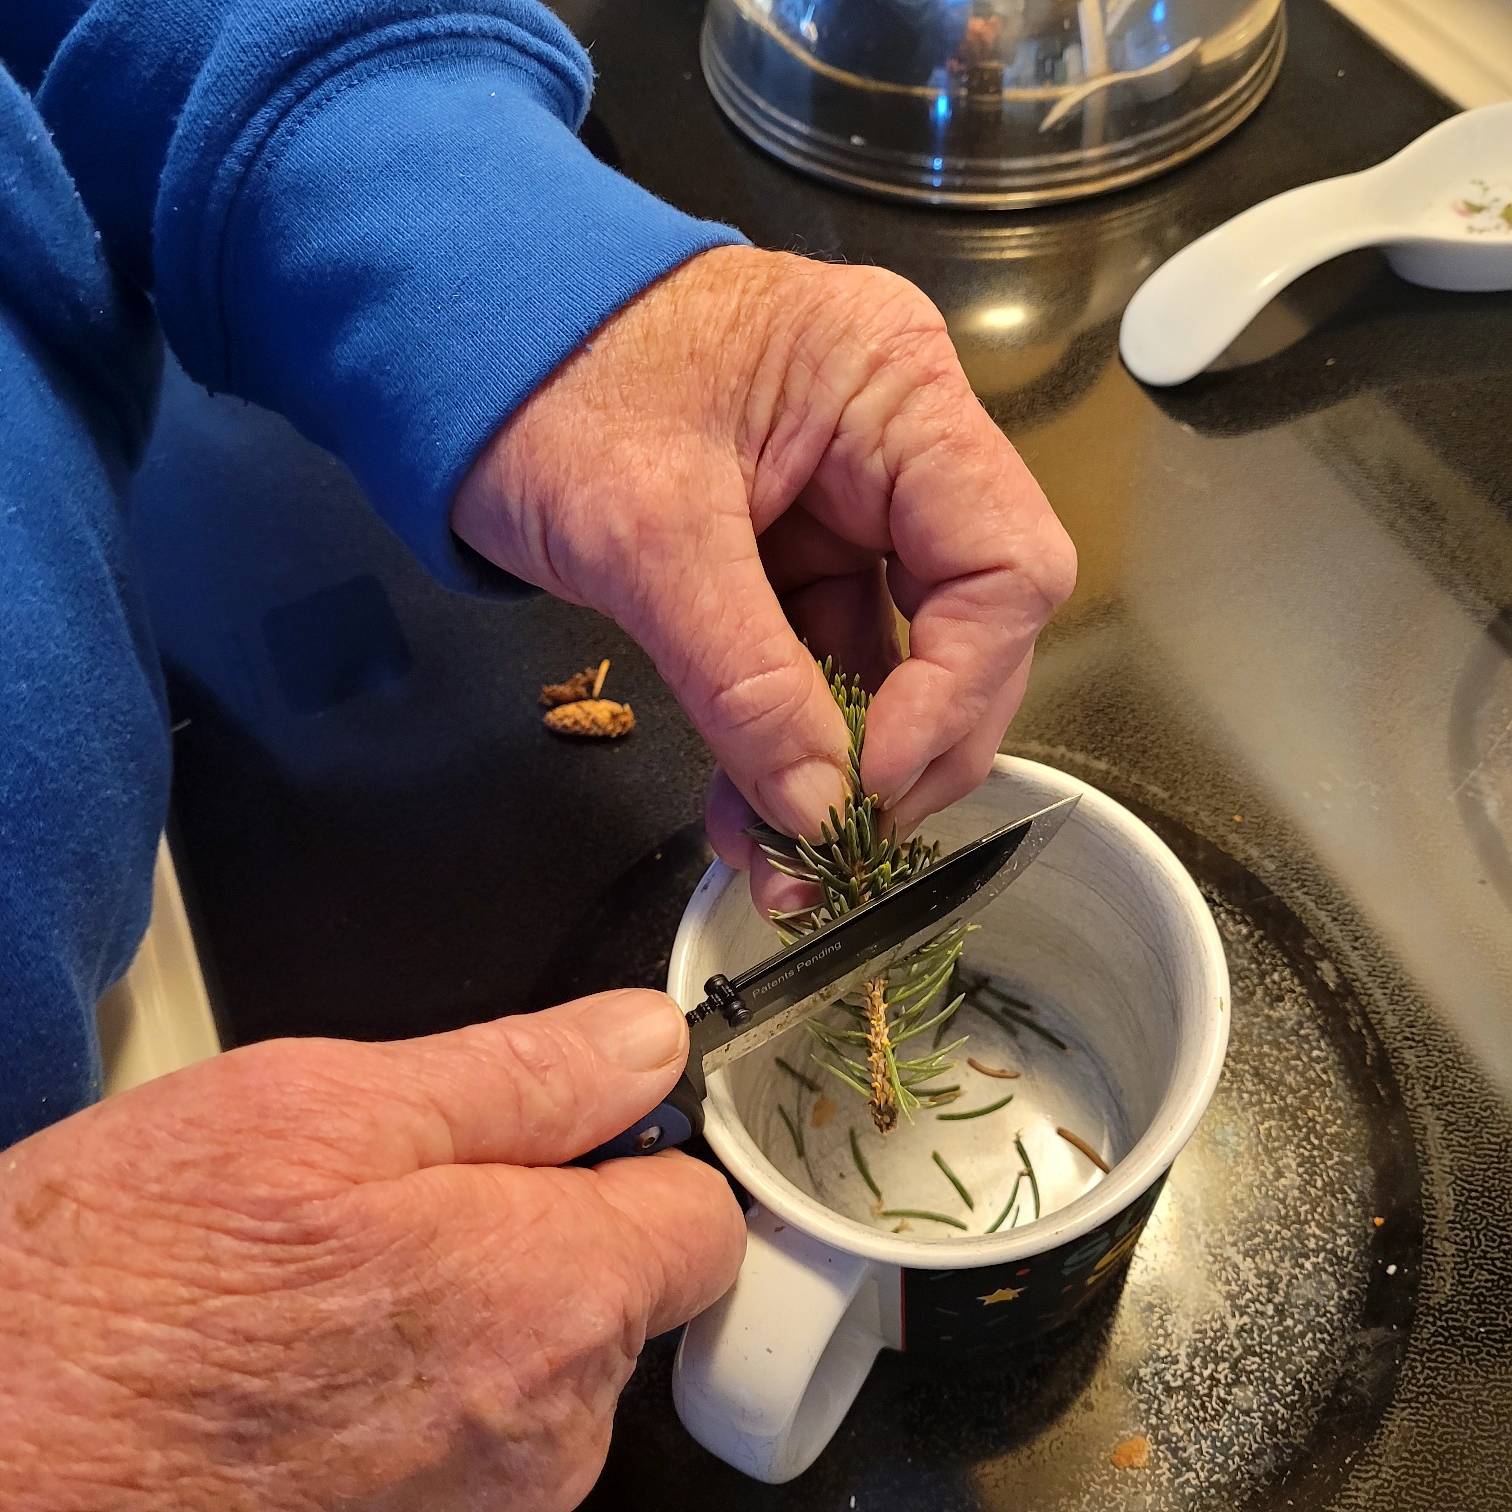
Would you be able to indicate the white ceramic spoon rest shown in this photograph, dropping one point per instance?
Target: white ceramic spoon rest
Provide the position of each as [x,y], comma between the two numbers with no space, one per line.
[1441,209]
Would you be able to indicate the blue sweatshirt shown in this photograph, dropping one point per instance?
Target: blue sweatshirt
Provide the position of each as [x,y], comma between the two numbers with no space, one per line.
[370,215]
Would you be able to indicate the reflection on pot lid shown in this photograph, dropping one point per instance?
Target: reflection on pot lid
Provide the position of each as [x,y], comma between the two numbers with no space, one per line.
[989,103]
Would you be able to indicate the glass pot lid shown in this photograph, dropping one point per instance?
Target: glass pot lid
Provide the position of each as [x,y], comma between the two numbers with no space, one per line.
[989,103]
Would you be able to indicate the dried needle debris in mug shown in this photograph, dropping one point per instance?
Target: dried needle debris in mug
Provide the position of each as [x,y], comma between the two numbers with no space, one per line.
[1078,1143]
[1002,1073]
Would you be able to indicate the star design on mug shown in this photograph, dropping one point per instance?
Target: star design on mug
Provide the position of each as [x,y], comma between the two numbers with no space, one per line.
[1115,1254]
[1002,1294]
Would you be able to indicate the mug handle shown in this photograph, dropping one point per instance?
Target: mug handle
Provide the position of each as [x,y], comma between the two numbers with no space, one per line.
[764,1376]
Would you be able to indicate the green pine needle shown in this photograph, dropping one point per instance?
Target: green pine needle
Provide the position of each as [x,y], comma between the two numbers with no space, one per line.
[952,1178]
[921,1213]
[1002,1102]
[797,1075]
[997,1222]
[862,1166]
[1034,1191]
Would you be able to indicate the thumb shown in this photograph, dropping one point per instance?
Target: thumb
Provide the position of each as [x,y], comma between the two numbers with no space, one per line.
[539,1089]
[722,643]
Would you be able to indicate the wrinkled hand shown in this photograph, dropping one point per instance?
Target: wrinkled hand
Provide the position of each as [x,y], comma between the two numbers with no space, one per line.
[316,1274]
[760,445]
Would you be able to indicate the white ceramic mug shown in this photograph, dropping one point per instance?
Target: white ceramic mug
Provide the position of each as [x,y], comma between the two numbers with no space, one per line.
[1108,936]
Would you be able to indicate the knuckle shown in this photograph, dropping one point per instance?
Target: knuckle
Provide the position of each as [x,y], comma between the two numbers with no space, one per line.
[912,327]
[543,1068]
[969,709]
[1054,567]
[286,1107]
[271,1083]
[1066,570]
[882,312]
[604,1330]
[771,696]
[897,303]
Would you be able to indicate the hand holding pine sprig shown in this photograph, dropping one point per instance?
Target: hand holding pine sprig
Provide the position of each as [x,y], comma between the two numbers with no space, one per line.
[853,861]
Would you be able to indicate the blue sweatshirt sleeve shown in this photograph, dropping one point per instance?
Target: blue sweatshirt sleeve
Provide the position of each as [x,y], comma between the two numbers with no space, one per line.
[370,215]
[373,216]
[83,732]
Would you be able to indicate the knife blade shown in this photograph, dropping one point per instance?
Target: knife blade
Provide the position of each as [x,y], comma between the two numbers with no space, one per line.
[741,1013]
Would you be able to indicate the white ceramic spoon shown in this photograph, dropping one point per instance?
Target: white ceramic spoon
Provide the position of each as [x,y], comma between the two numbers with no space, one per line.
[1437,208]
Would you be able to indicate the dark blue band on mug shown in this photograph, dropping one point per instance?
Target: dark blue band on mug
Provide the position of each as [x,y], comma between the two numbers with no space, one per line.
[951,1311]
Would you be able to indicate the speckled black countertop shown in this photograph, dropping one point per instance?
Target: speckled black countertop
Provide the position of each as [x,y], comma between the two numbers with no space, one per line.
[1291,649]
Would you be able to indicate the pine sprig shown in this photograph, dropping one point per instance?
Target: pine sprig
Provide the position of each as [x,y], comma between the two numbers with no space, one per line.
[853,861]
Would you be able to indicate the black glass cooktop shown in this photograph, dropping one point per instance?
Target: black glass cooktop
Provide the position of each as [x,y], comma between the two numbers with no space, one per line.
[1291,648]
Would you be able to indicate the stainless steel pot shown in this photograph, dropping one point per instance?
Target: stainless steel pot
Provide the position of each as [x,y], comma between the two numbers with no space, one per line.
[989,103]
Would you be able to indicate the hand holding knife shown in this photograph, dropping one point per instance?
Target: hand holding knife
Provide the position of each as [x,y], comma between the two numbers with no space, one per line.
[743,1012]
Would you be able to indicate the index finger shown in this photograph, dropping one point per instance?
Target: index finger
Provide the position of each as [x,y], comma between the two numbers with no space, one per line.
[980,564]
[681,1228]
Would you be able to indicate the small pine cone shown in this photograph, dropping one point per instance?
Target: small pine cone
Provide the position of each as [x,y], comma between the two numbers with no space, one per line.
[577,687]
[588,683]
[594,718]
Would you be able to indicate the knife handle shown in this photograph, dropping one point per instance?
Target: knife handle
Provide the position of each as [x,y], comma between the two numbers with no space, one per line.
[673,1122]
